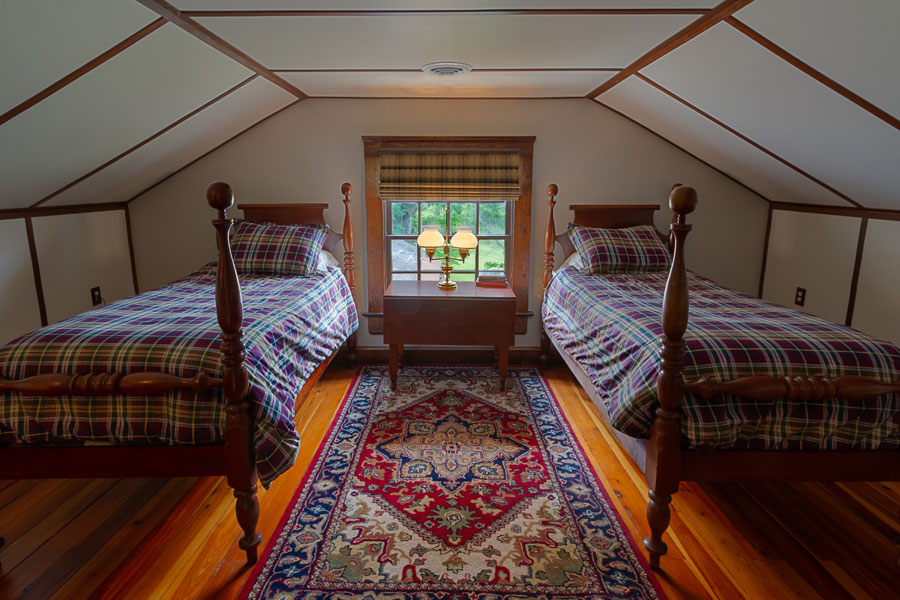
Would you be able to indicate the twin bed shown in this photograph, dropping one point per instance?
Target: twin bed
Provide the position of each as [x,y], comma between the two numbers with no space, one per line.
[197,378]
[151,386]
[754,391]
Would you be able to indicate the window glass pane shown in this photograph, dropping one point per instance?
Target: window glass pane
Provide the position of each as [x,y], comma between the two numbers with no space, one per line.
[404,218]
[492,218]
[430,267]
[456,276]
[435,213]
[492,254]
[430,276]
[403,255]
[468,264]
[435,265]
[462,213]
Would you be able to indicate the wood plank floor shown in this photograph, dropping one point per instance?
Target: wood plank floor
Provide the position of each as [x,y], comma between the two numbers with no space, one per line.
[175,538]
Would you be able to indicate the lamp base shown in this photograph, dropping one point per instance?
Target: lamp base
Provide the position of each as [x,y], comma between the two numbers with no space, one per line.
[447,285]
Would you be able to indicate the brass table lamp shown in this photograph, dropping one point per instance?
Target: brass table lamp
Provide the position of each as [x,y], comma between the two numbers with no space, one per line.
[463,240]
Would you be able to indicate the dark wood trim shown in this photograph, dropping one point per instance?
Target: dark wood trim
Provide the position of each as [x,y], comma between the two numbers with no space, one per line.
[207,153]
[520,236]
[602,104]
[447,97]
[747,139]
[854,282]
[65,209]
[781,465]
[446,12]
[82,70]
[474,70]
[814,73]
[169,127]
[197,30]
[765,256]
[134,278]
[711,17]
[842,211]
[35,265]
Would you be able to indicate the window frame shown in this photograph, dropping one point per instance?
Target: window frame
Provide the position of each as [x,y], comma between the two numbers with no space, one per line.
[518,248]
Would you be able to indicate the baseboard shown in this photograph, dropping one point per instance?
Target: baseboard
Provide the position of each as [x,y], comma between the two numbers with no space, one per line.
[450,354]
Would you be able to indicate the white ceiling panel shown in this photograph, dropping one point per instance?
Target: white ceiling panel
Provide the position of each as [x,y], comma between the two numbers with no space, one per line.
[177,147]
[483,41]
[429,4]
[477,84]
[854,43]
[714,144]
[41,41]
[726,74]
[127,99]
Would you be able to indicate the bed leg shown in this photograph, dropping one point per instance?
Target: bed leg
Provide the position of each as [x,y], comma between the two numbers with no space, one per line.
[351,350]
[247,510]
[658,515]
[545,348]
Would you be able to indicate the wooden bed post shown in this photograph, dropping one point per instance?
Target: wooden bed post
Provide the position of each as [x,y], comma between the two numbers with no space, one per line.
[663,468]
[674,220]
[549,250]
[346,190]
[239,419]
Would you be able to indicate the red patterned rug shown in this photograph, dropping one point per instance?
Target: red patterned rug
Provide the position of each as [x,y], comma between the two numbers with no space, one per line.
[448,489]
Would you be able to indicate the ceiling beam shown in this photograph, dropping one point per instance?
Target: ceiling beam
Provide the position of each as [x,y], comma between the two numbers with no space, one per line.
[712,17]
[82,70]
[474,70]
[175,16]
[753,143]
[445,12]
[49,211]
[145,141]
[815,74]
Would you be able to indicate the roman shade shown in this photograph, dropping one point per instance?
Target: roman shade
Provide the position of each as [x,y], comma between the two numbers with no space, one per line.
[446,176]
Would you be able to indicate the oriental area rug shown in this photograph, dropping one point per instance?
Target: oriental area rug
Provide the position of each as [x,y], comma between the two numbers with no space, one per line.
[450,489]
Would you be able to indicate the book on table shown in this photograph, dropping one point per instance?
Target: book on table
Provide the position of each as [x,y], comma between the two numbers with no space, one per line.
[491,278]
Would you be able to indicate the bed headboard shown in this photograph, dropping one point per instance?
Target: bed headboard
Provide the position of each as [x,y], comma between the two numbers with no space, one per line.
[609,216]
[310,213]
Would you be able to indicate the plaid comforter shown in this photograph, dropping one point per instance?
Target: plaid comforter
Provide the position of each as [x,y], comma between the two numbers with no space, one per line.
[290,325]
[610,325]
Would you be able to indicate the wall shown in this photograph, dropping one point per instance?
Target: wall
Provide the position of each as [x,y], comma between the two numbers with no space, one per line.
[305,152]
[819,252]
[75,252]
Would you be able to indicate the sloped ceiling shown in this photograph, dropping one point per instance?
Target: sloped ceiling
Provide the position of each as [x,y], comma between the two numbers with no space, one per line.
[796,99]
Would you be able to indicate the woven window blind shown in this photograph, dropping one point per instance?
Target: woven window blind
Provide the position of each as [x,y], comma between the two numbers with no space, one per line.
[444,176]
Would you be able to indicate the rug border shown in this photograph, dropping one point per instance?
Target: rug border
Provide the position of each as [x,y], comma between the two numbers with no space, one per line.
[270,544]
[639,549]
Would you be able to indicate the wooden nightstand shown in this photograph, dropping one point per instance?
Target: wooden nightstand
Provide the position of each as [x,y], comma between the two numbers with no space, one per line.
[418,312]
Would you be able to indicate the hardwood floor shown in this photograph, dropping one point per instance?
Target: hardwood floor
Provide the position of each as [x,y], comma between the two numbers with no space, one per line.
[176,538]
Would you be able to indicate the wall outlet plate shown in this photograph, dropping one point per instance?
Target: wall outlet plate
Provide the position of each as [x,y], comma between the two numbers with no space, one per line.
[96,298]
[800,296]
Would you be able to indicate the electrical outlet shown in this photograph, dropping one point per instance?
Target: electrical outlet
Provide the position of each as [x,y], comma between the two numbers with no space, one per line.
[800,296]
[96,298]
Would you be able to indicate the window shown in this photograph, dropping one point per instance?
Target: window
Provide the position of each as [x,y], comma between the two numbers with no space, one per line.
[490,222]
[408,187]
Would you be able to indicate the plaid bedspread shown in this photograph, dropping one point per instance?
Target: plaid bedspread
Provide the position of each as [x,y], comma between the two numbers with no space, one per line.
[290,325]
[610,325]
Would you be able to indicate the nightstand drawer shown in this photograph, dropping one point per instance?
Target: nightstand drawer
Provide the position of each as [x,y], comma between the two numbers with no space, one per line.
[450,321]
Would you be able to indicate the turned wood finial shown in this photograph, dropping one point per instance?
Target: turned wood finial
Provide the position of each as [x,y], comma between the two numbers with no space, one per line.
[220,196]
[550,236]
[552,190]
[683,200]
[346,190]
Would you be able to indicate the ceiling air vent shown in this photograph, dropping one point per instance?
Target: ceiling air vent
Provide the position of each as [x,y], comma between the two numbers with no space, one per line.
[447,68]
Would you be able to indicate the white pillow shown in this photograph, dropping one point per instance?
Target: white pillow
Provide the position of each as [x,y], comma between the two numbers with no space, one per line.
[574,260]
[326,260]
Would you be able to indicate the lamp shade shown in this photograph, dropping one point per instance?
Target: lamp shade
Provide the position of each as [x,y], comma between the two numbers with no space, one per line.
[464,239]
[430,237]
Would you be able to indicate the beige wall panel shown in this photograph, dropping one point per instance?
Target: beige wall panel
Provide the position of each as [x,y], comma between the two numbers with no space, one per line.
[304,153]
[877,309]
[41,41]
[715,144]
[815,252]
[109,110]
[854,43]
[177,147]
[483,41]
[477,84]
[80,251]
[18,297]
[431,4]
[728,75]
